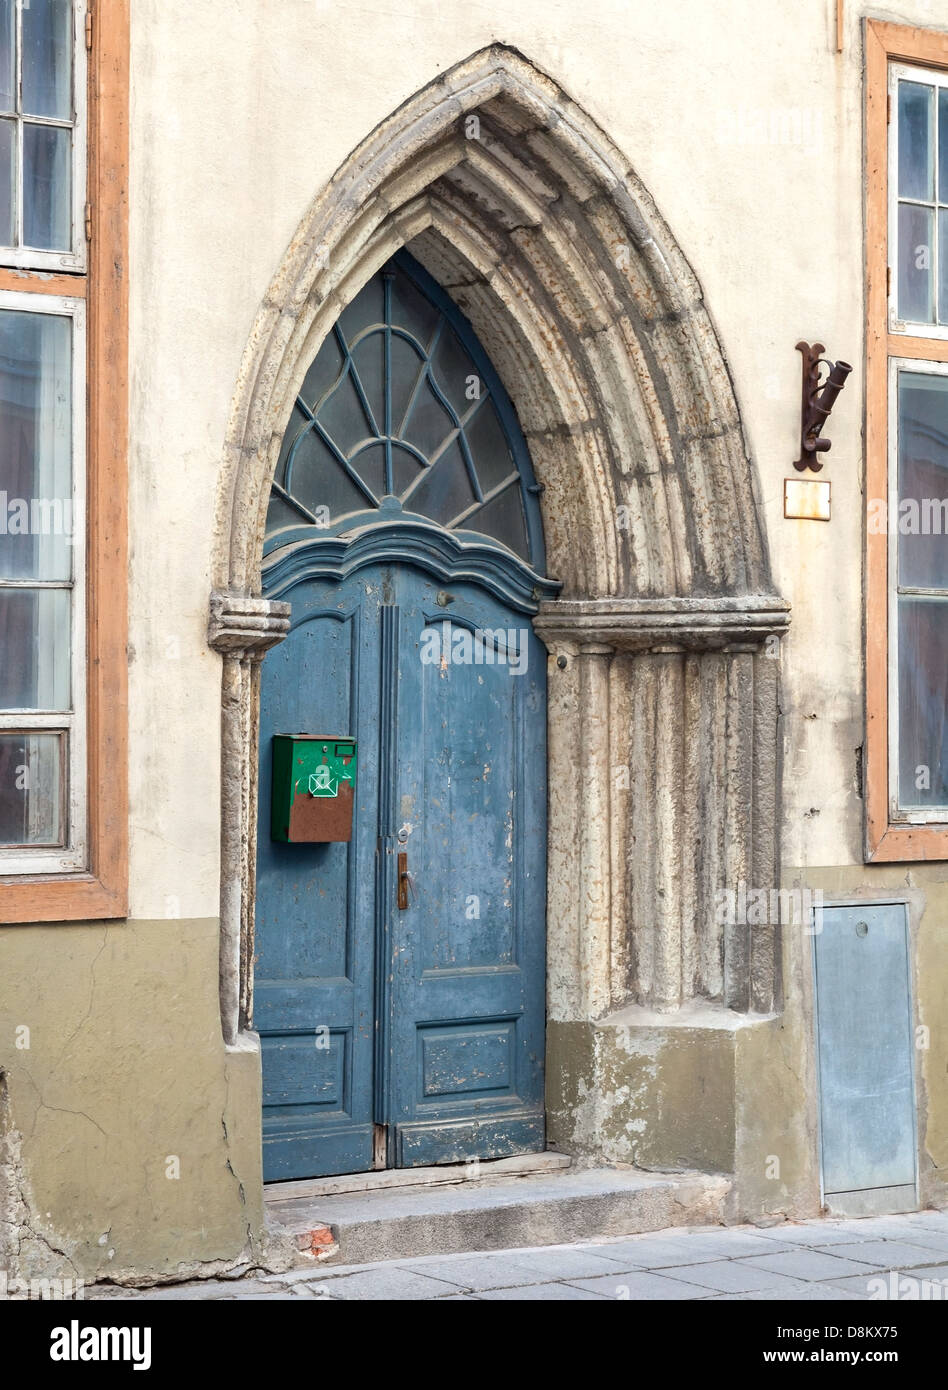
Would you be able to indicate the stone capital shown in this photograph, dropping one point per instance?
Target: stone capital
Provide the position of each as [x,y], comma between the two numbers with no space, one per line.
[244,627]
[665,624]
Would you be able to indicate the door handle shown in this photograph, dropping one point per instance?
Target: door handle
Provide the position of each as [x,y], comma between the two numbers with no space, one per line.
[406,884]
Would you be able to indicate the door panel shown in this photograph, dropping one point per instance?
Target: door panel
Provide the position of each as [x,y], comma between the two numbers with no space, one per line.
[468,980]
[314,991]
[866,1057]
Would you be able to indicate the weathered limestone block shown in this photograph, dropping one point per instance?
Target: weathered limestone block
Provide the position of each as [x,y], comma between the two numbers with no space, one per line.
[674,713]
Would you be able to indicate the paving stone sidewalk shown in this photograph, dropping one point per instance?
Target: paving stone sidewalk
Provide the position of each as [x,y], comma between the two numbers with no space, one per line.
[813,1260]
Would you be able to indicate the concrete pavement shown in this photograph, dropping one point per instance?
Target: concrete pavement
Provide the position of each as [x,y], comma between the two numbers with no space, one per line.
[876,1258]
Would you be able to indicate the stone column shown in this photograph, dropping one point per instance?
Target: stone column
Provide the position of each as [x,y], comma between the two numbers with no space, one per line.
[592,753]
[680,696]
[243,630]
[664,792]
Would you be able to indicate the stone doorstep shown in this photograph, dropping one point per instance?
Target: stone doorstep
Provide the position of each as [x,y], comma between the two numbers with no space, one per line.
[495,1213]
[320,1242]
[518,1166]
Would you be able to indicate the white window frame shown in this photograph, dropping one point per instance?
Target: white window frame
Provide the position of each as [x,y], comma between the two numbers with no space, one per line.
[28,257]
[928,815]
[73,854]
[933,77]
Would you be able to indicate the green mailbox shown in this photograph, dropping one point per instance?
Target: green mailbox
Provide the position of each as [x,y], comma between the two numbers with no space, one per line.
[313,788]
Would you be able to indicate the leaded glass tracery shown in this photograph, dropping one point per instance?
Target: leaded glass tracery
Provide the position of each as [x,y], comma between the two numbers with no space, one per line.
[402,402]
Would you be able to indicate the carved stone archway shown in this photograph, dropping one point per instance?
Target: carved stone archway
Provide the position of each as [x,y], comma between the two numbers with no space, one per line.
[663,686]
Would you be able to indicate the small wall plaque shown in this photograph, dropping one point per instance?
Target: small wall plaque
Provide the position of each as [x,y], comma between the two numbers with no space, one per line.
[806,499]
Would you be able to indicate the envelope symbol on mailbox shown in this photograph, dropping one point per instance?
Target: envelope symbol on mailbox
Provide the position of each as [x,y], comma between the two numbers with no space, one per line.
[322,782]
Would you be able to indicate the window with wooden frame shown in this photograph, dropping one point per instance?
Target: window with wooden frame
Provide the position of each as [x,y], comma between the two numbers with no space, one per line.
[907,444]
[63,411]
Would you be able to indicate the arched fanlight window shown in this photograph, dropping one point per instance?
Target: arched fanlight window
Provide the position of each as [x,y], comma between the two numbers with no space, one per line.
[402,403]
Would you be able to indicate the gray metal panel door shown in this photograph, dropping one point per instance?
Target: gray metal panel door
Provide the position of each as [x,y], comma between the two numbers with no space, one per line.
[866,1057]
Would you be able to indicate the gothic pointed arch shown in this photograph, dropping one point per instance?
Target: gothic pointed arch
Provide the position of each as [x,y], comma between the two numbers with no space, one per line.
[530,218]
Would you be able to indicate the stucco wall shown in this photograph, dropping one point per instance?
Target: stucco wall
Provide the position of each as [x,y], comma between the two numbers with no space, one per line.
[731,115]
[746,127]
[131,1136]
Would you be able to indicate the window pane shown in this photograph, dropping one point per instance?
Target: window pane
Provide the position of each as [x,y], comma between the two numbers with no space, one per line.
[370,466]
[923,480]
[453,370]
[915,263]
[943,263]
[323,372]
[503,518]
[411,310]
[429,424]
[943,144]
[406,368]
[489,448]
[31,785]
[318,482]
[923,706]
[369,359]
[7,56]
[36,517]
[444,491]
[47,59]
[366,309]
[343,418]
[7,184]
[916,165]
[47,187]
[34,624]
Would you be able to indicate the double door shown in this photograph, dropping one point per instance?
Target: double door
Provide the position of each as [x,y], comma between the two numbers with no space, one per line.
[399,977]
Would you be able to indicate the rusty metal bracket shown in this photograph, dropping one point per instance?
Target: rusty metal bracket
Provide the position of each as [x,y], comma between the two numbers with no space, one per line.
[819,397]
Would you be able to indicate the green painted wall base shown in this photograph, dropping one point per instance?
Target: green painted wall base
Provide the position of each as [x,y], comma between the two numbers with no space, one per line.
[129,1135]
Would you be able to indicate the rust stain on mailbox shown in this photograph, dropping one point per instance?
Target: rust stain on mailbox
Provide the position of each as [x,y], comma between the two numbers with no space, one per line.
[313,788]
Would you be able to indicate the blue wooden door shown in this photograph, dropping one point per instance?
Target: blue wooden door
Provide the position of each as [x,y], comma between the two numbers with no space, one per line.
[467,995]
[404,529]
[314,1000]
[408,1035]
